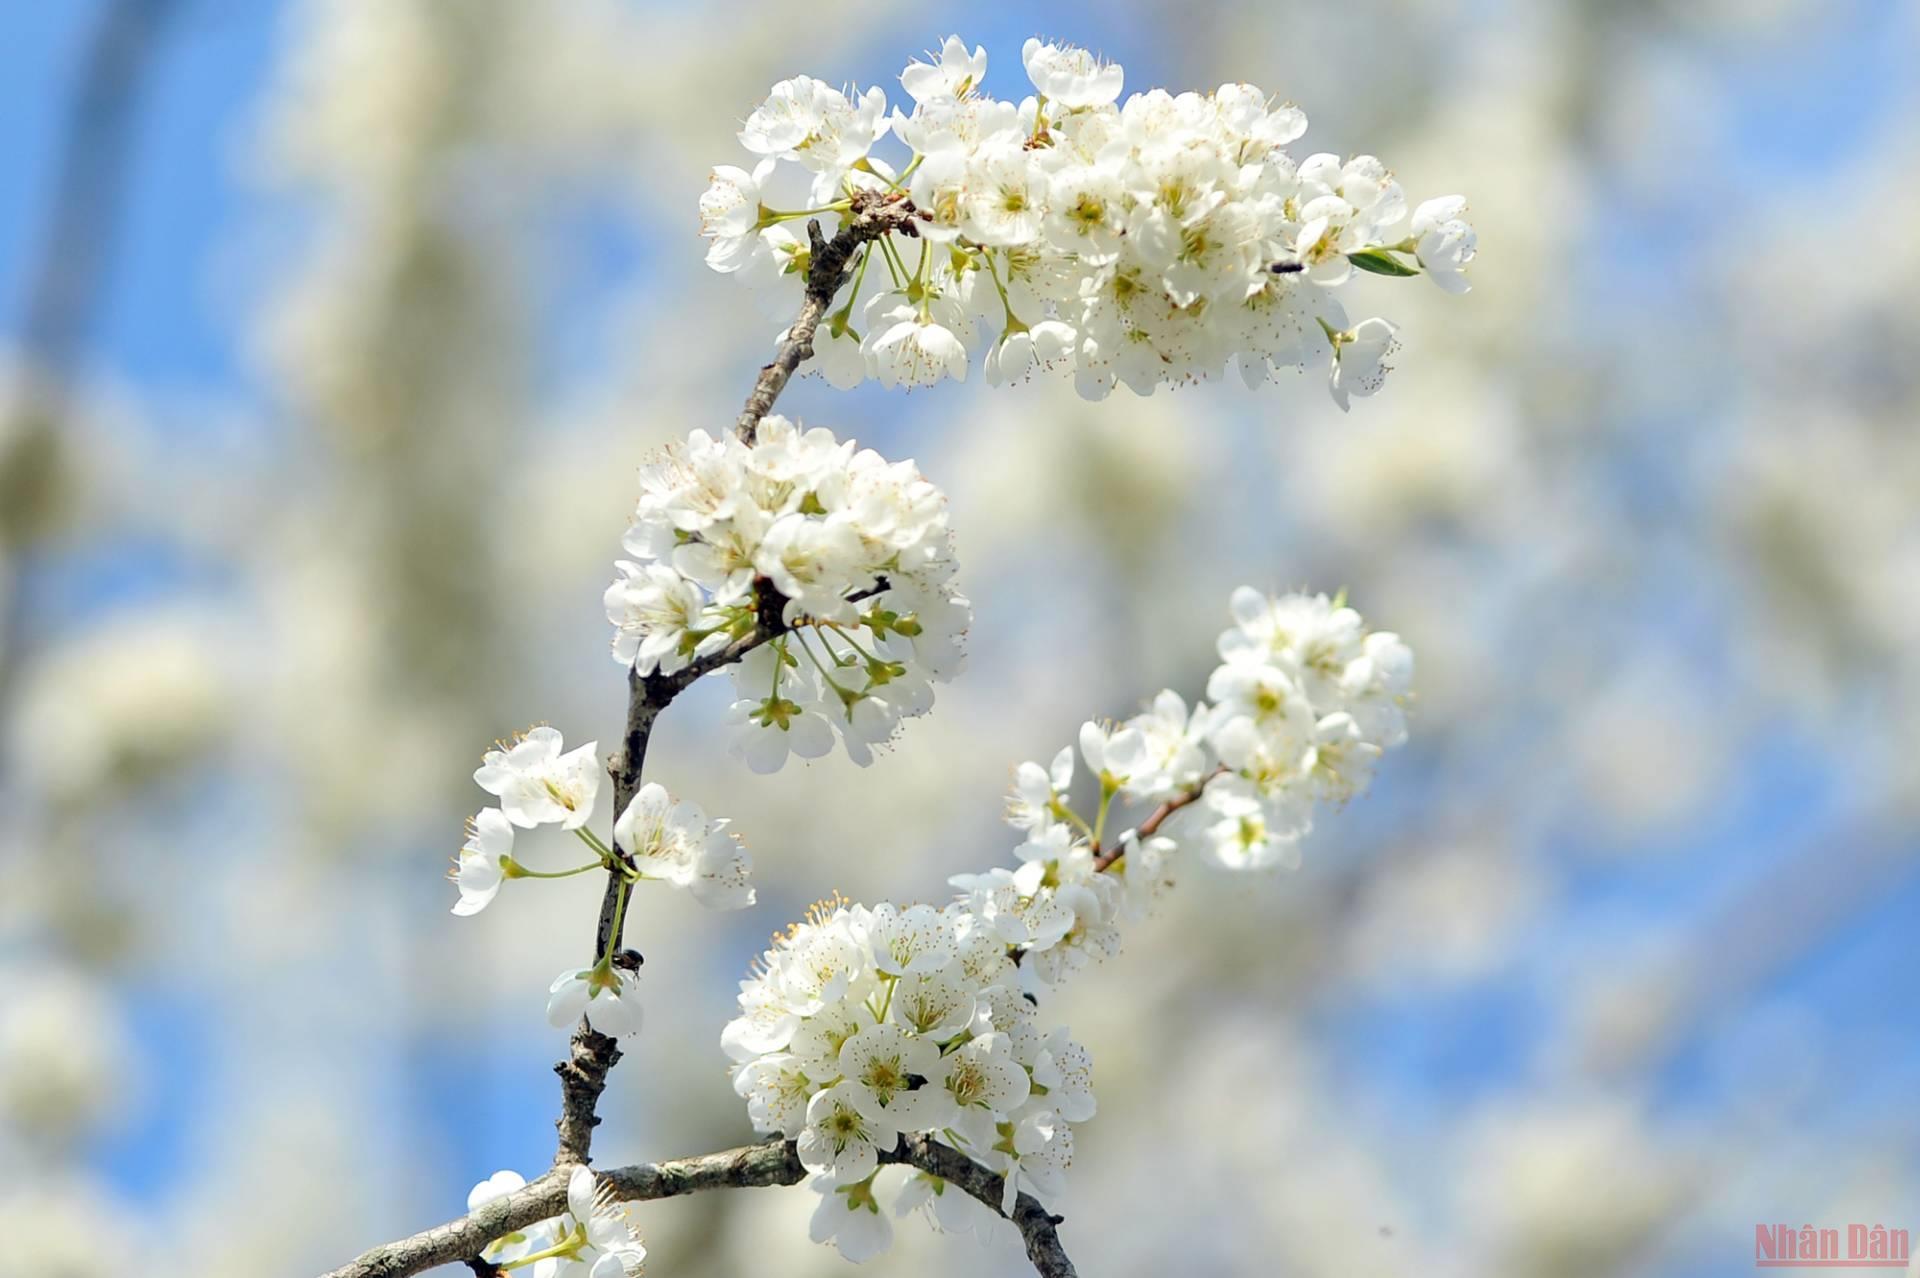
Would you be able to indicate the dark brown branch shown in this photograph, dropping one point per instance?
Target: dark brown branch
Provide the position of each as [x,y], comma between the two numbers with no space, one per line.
[583,1076]
[768,1163]
[1038,1227]
[874,214]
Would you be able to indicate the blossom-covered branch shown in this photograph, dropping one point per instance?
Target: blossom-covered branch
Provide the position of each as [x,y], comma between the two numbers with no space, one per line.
[1139,243]
[1151,241]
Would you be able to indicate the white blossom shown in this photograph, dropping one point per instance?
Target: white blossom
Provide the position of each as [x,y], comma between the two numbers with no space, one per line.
[481,866]
[608,1000]
[1359,360]
[675,842]
[1069,76]
[1140,243]
[538,782]
[951,73]
[855,548]
[1444,243]
[850,1218]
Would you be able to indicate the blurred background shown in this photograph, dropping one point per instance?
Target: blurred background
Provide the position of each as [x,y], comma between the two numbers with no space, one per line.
[335,330]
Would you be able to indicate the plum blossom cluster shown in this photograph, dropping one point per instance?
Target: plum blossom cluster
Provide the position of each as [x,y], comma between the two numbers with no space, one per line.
[539,782]
[1156,240]
[860,1025]
[594,1238]
[855,550]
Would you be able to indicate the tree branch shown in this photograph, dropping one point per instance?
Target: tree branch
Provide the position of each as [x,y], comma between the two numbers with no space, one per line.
[1157,818]
[583,1075]
[1037,1226]
[772,1162]
[874,214]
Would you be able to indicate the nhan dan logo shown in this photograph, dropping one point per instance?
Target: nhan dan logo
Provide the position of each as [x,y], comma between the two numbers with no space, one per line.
[1843,1247]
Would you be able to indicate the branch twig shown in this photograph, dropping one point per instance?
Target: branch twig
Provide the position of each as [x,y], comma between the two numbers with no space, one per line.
[874,214]
[768,1163]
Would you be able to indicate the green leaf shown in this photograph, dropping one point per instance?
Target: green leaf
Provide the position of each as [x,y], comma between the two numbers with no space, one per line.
[1381,262]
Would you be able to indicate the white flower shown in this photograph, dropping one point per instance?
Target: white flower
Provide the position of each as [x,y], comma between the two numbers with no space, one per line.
[1006,197]
[844,1133]
[538,785]
[1173,745]
[612,1246]
[952,1209]
[982,1075]
[676,843]
[525,1242]
[816,124]
[1445,243]
[1113,754]
[1375,685]
[661,620]
[850,1218]
[776,1089]
[935,1004]
[1241,836]
[884,1060]
[766,1023]
[1086,210]
[952,73]
[813,562]
[1339,761]
[730,210]
[481,866]
[915,345]
[914,941]
[1035,1152]
[599,993]
[1359,356]
[1014,356]
[1032,805]
[1065,1069]
[1071,76]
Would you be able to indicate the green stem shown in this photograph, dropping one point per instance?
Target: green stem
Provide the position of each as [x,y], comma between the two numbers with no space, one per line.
[1014,323]
[568,1247]
[845,315]
[1067,812]
[1106,802]
[592,840]
[852,643]
[520,871]
[772,217]
[619,920]
[895,267]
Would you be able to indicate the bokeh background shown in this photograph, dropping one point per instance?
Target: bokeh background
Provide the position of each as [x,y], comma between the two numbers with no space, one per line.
[335,330]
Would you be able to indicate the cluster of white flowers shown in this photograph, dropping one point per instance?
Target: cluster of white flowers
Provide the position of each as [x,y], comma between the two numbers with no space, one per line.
[540,782]
[856,546]
[595,1238]
[860,1025]
[1145,242]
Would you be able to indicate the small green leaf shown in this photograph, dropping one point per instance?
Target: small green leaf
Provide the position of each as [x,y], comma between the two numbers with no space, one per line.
[1381,262]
